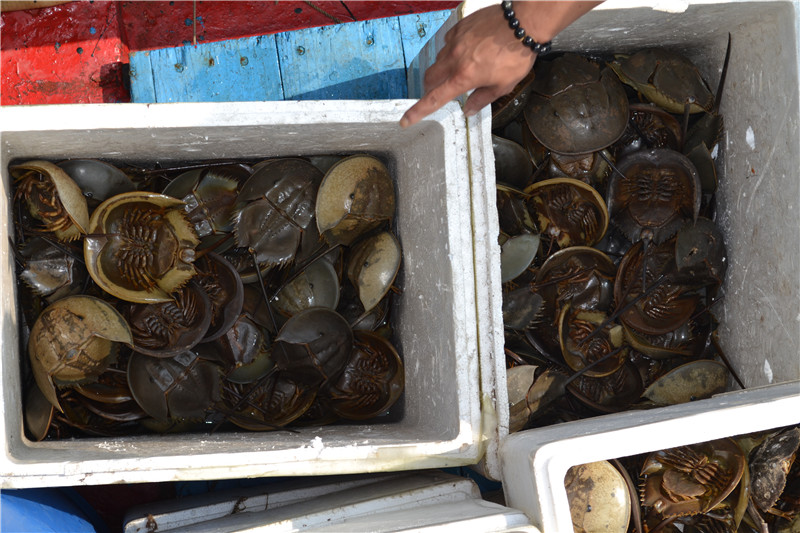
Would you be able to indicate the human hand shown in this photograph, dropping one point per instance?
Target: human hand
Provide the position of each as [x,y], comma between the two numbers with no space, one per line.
[481,53]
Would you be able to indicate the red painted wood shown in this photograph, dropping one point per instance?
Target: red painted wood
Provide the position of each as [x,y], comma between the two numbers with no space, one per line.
[77,52]
[70,53]
[149,25]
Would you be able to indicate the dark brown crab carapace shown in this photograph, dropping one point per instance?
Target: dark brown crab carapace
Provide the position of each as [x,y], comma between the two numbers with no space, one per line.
[691,479]
[569,211]
[372,379]
[575,106]
[653,194]
[165,329]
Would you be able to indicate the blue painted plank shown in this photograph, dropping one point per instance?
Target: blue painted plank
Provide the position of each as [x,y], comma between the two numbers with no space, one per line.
[352,61]
[226,71]
[141,75]
[417,29]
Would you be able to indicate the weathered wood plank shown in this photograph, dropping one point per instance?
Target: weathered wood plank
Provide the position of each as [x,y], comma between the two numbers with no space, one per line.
[226,71]
[358,60]
[417,29]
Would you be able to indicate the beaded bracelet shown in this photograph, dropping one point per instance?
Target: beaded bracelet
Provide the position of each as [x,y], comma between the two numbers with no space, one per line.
[519,33]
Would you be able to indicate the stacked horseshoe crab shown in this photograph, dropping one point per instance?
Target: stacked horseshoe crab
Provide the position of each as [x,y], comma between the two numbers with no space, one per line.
[250,294]
[610,258]
[747,484]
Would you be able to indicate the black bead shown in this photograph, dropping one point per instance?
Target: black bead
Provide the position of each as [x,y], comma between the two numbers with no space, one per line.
[528,41]
[506,5]
[513,24]
[509,14]
[519,33]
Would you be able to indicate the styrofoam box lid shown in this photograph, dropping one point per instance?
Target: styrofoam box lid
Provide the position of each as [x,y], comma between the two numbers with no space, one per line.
[438,421]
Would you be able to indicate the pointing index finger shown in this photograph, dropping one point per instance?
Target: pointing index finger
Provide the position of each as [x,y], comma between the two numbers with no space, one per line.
[433,100]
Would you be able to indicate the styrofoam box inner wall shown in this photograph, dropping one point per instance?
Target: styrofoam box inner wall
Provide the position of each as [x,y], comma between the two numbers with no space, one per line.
[759,195]
[434,317]
[759,212]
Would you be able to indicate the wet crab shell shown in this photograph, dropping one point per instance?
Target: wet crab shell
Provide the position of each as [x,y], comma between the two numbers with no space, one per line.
[509,106]
[575,325]
[570,211]
[99,181]
[314,343]
[185,386]
[770,464]
[373,266]
[576,107]
[668,305]
[273,403]
[512,164]
[691,479]
[316,286]
[220,281]
[355,196]
[166,329]
[278,207]
[610,394]
[667,79]
[372,380]
[50,271]
[53,198]
[210,195]
[654,193]
[73,341]
[580,275]
[140,247]
[599,499]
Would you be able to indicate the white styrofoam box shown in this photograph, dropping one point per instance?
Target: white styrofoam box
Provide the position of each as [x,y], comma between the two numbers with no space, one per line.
[759,213]
[535,461]
[759,196]
[400,502]
[439,420]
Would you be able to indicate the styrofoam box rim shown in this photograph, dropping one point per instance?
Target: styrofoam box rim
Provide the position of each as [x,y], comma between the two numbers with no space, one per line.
[21,469]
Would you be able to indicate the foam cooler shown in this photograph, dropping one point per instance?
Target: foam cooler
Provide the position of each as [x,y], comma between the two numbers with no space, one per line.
[439,420]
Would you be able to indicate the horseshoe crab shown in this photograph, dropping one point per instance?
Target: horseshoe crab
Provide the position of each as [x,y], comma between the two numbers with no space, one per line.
[571,212]
[184,386]
[373,265]
[279,203]
[599,499]
[98,180]
[50,271]
[692,479]
[575,107]
[165,329]
[314,343]
[770,464]
[372,380]
[654,193]
[210,198]
[579,351]
[355,196]
[667,79]
[52,197]
[73,341]
[140,247]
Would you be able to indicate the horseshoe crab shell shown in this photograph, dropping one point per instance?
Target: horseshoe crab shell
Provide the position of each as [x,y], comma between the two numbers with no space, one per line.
[355,196]
[52,197]
[140,247]
[73,341]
